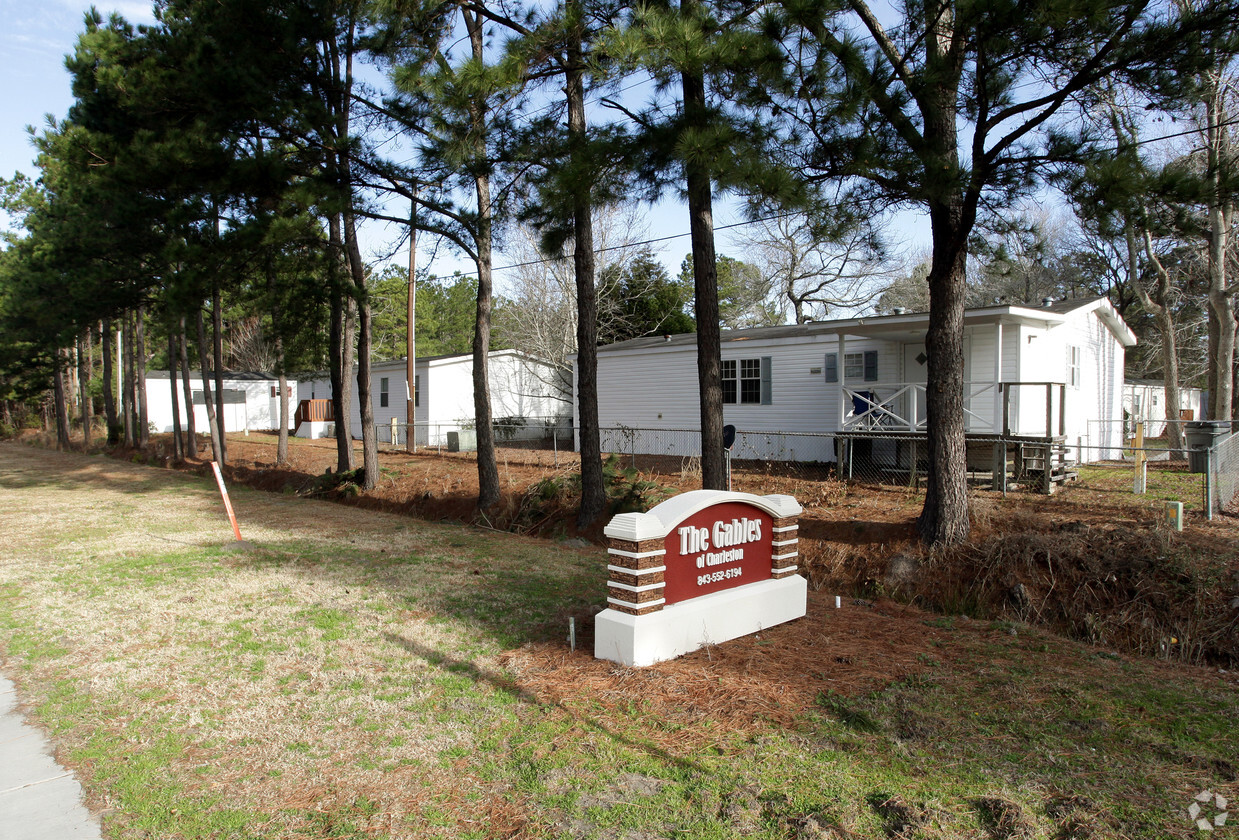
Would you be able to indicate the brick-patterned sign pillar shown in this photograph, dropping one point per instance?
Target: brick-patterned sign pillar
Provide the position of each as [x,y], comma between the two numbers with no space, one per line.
[636,583]
[700,568]
[785,560]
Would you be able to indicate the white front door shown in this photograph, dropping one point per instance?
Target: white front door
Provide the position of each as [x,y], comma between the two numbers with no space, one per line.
[916,373]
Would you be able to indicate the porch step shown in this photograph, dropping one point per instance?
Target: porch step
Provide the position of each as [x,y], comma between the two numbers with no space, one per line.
[1031,463]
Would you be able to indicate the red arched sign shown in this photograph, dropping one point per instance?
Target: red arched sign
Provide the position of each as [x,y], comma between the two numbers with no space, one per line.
[721,547]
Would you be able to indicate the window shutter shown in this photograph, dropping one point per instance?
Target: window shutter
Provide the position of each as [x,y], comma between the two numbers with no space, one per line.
[767,385]
[871,365]
[832,367]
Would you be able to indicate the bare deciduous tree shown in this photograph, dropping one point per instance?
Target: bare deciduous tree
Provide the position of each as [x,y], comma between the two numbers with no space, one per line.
[539,312]
[812,276]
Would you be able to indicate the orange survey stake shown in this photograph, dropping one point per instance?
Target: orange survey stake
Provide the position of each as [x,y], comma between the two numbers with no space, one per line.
[223,491]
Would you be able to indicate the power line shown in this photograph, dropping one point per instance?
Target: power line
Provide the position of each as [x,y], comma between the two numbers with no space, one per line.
[1145,140]
[670,237]
[653,241]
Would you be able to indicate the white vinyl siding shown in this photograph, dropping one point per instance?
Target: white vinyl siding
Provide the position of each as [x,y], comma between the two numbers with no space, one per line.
[518,388]
[654,386]
[256,410]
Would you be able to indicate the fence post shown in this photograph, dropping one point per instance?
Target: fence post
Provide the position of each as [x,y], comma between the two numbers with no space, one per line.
[1142,465]
[1209,462]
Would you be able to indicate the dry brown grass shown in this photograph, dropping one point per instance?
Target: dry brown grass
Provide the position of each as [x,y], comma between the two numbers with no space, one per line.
[236,652]
[336,682]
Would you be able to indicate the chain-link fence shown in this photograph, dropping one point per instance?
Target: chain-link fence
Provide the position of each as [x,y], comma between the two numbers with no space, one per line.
[1205,480]
[552,434]
[1223,472]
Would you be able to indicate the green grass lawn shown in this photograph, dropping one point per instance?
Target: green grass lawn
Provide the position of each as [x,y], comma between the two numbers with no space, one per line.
[359,675]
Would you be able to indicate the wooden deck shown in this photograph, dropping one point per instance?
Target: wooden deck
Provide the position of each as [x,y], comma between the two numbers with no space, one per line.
[1042,461]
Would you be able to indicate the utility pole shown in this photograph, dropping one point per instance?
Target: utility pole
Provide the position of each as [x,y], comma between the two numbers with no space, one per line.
[410,369]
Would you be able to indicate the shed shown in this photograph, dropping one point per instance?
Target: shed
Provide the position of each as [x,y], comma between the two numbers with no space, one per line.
[1144,400]
[526,396]
[251,401]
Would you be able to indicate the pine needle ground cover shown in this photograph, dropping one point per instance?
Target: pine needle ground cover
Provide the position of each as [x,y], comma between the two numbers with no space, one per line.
[358,674]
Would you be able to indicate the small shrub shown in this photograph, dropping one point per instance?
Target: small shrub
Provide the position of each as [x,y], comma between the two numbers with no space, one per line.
[345,484]
[627,491]
[849,715]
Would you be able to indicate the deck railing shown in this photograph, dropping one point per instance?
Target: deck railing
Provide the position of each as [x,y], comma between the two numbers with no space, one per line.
[900,407]
[314,411]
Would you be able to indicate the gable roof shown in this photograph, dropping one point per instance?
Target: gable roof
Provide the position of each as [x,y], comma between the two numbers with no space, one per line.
[900,321]
[232,375]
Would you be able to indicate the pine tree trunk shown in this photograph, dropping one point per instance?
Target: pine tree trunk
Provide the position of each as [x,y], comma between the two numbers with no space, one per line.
[204,362]
[365,405]
[593,490]
[109,379]
[191,431]
[139,382]
[127,391]
[178,443]
[217,331]
[410,357]
[281,447]
[705,291]
[72,376]
[488,470]
[277,329]
[341,350]
[944,518]
[83,379]
[61,406]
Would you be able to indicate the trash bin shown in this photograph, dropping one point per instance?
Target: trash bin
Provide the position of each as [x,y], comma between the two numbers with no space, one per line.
[1203,435]
[466,440]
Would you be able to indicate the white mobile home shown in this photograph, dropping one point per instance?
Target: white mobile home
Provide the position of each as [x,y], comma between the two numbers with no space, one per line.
[1144,400]
[1030,372]
[251,401]
[523,391]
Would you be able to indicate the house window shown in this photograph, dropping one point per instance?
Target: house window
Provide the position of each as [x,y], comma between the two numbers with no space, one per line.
[417,391]
[1073,366]
[856,366]
[747,381]
[383,392]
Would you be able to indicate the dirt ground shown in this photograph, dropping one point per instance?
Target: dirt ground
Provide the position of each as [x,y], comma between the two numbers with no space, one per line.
[1099,565]
[838,517]
[845,533]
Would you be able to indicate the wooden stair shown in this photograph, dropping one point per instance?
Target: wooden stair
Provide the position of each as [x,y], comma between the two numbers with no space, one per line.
[1032,459]
[313,411]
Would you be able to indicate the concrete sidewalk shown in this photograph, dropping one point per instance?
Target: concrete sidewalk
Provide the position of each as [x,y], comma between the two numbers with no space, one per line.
[39,799]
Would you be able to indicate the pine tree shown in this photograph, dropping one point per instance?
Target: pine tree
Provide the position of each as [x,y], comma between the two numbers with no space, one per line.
[946,110]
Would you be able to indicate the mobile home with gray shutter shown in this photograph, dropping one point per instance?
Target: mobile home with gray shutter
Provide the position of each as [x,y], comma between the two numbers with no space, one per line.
[1050,372]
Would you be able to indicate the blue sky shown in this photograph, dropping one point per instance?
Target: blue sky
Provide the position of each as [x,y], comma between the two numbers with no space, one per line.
[36,36]
[34,40]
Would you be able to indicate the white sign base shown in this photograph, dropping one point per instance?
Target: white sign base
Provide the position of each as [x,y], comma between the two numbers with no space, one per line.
[639,640]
